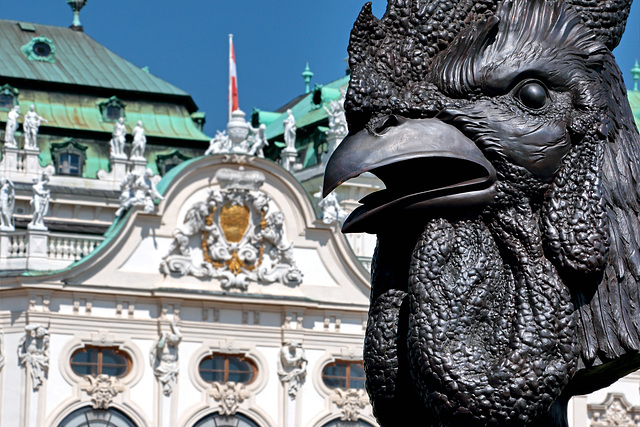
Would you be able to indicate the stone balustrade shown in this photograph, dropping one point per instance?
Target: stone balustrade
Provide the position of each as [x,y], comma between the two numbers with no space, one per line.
[58,251]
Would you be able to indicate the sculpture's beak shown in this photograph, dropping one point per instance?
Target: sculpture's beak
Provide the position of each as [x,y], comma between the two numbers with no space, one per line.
[425,164]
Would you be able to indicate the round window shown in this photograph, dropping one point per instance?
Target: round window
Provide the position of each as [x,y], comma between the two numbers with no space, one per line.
[42,49]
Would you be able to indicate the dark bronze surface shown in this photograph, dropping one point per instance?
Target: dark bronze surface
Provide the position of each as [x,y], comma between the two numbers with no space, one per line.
[505,279]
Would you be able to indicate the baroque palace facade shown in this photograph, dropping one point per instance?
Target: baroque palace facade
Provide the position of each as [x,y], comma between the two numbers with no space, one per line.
[153,276]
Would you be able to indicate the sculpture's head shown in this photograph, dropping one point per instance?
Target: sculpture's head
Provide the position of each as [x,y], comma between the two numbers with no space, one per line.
[506,274]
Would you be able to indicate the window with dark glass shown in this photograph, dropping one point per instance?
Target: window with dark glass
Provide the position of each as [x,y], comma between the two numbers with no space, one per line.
[69,164]
[217,420]
[343,374]
[225,368]
[89,417]
[113,112]
[96,361]
[6,102]
[41,49]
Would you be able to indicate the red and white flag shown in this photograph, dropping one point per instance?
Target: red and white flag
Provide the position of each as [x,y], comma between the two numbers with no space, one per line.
[233,79]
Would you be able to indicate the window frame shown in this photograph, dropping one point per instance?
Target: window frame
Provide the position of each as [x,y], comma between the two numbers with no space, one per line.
[9,91]
[70,146]
[347,378]
[99,364]
[225,371]
[104,106]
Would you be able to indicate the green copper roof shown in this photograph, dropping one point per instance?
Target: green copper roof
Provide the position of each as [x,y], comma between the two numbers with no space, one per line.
[78,60]
[304,109]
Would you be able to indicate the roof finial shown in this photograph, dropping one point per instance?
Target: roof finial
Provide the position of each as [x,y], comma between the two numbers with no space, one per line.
[306,75]
[635,72]
[76,5]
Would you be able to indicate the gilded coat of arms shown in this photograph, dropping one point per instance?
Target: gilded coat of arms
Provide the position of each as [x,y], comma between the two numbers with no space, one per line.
[234,235]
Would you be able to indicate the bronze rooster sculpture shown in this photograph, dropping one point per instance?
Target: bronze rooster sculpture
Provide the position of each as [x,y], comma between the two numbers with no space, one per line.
[505,278]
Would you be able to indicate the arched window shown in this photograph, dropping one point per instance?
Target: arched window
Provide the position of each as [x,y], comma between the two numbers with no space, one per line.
[217,420]
[89,417]
[94,361]
[225,368]
[343,374]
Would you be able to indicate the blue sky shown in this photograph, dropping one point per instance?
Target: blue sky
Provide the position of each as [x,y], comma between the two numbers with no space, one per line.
[186,43]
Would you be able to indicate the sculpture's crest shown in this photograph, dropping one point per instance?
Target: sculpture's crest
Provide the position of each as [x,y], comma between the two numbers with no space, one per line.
[235,235]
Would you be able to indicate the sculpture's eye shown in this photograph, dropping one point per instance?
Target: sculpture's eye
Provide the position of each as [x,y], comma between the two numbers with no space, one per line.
[532,94]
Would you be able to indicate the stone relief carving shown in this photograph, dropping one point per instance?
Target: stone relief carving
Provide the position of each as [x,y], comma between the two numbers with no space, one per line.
[118,140]
[11,128]
[292,367]
[138,190]
[614,411]
[351,402]
[164,358]
[139,142]
[229,396]
[39,202]
[33,353]
[242,138]
[31,125]
[7,204]
[102,389]
[233,236]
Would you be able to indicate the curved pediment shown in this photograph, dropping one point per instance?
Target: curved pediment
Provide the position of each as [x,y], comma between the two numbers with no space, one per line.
[227,224]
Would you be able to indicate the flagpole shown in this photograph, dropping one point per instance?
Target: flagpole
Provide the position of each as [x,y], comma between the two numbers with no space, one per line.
[230,74]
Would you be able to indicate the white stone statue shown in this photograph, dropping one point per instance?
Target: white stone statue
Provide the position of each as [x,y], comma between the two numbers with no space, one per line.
[39,202]
[258,140]
[138,190]
[12,127]
[289,124]
[164,358]
[292,367]
[337,119]
[118,139]
[331,210]
[139,142]
[7,204]
[239,138]
[33,353]
[219,144]
[31,125]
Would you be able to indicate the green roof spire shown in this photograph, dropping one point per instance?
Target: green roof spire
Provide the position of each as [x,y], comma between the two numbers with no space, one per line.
[306,75]
[76,5]
[635,72]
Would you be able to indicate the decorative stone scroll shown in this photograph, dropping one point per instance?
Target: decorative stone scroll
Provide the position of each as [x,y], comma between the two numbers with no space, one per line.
[229,396]
[233,236]
[351,402]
